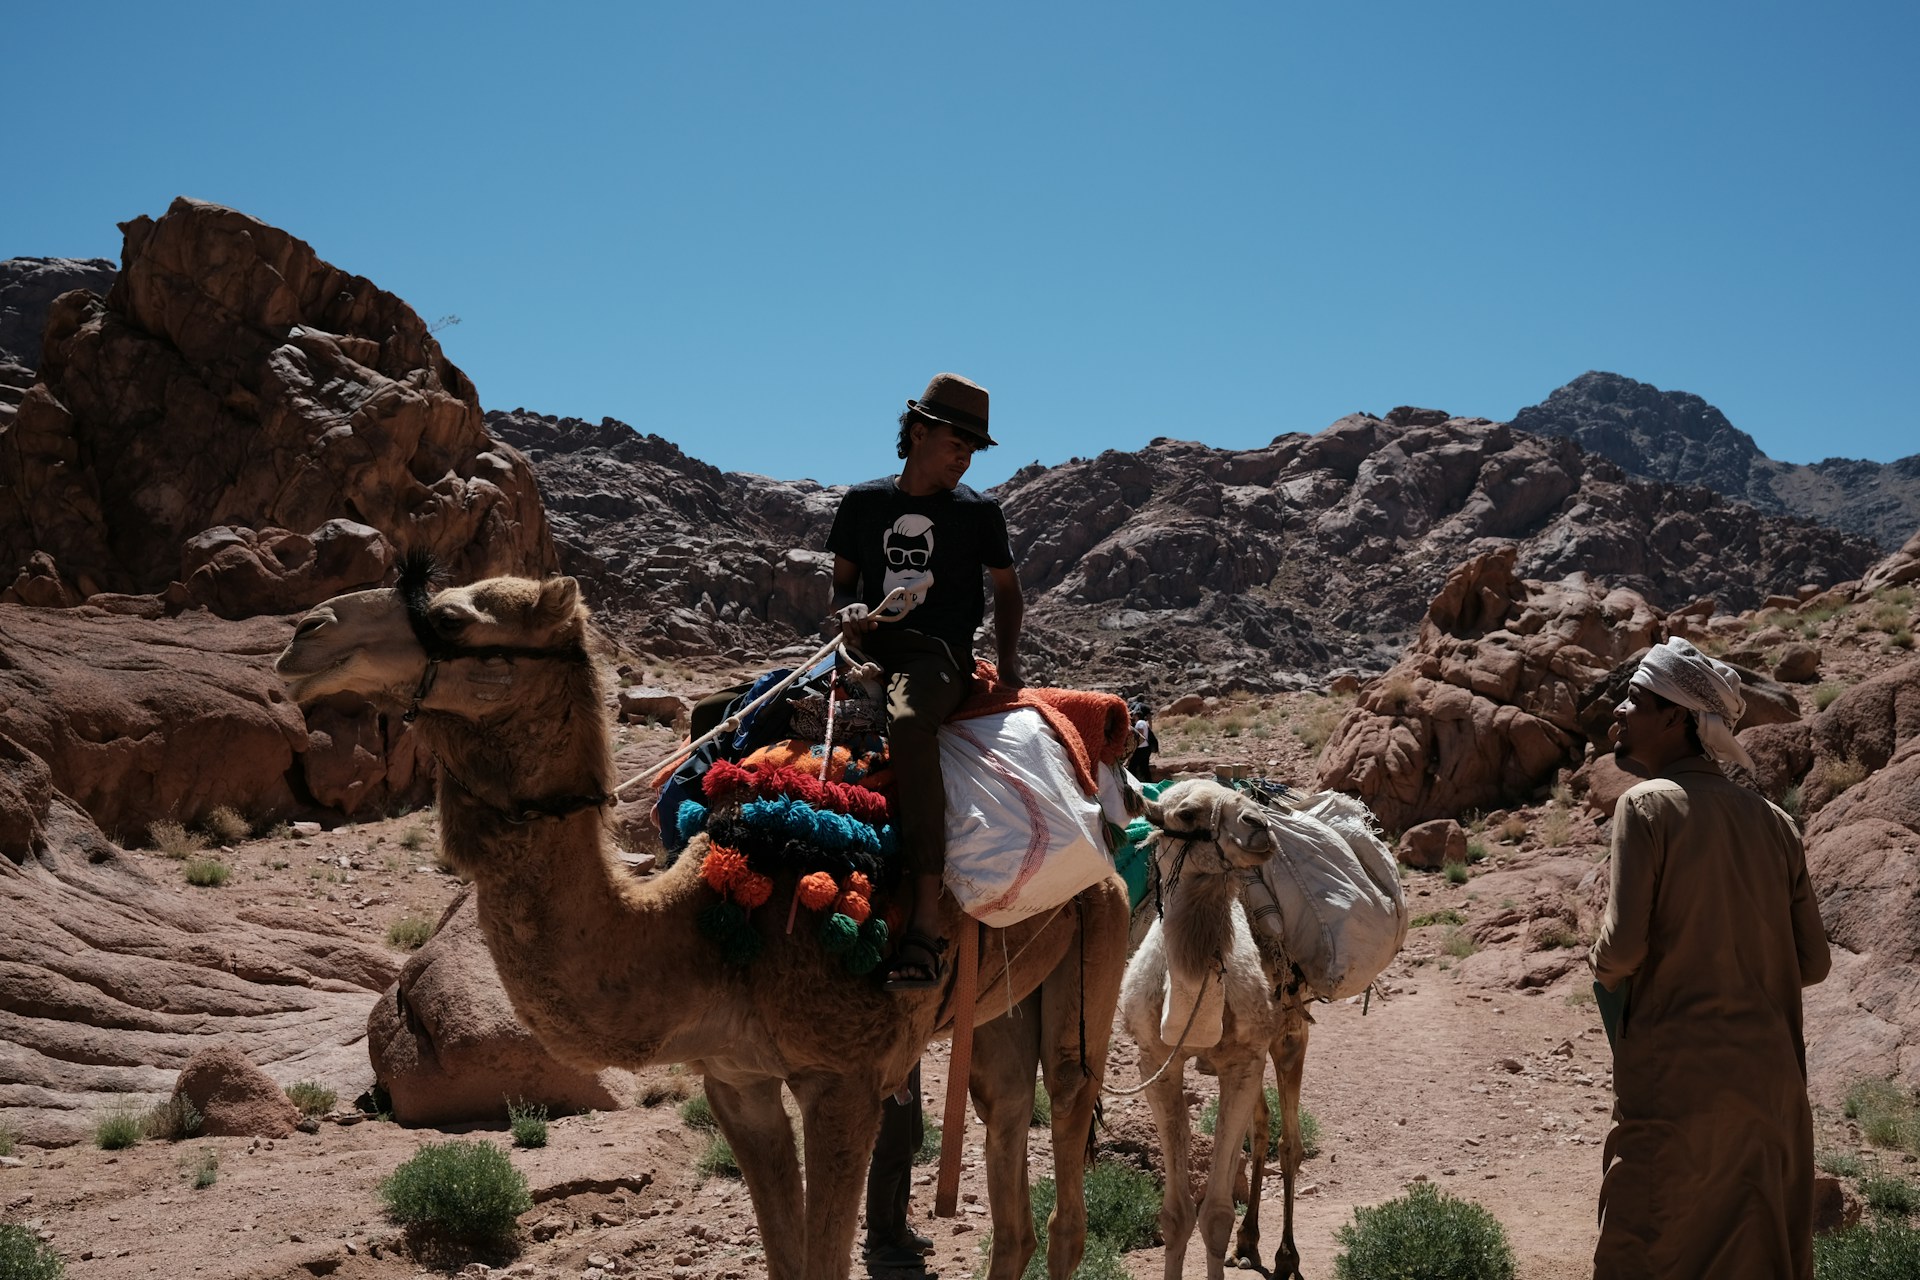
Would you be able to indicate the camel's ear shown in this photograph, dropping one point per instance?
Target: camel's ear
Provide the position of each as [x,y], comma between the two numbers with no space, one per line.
[559,601]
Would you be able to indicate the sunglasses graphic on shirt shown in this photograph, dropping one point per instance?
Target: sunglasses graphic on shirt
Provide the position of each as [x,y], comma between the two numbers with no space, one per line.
[901,557]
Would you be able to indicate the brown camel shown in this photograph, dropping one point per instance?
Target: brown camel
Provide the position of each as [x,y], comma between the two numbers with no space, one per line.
[609,969]
[1210,834]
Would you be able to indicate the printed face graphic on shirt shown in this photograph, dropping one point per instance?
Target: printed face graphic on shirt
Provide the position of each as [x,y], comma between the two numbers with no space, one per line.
[909,548]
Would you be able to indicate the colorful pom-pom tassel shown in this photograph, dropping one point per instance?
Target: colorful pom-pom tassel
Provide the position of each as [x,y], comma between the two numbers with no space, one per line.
[839,934]
[692,819]
[752,890]
[853,906]
[858,883]
[874,933]
[863,959]
[817,890]
[722,869]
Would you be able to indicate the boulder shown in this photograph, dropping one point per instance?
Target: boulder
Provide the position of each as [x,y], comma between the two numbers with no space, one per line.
[28,287]
[235,1098]
[446,1044]
[112,979]
[231,373]
[1603,779]
[1799,664]
[652,704]
[1898,569]
[1429,846]
[1834,1207]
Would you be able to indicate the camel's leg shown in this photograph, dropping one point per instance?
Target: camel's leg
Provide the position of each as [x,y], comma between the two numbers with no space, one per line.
[1077,1001]
[1167,1096]
[1005,1053]
[755,1125]
[1239,1092]
[1246,1242]
[839,1120]
[1289,1065]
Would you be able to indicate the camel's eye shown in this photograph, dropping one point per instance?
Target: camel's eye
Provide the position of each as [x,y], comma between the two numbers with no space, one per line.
[308,626]
[448,620]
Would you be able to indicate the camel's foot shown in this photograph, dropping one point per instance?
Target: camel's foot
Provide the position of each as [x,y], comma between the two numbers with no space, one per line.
[1286,1264]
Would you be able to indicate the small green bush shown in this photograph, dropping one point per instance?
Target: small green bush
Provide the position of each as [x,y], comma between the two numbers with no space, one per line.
[1456,873]
[1117,1209]
[1890,1196]
[1276,1125]
[23,1257]
[1447,915]
[463,1190]
[929,1140]
[207,873]
[1476,851]
[312,1097]
[717,1160]
[527,1121]
[205,1170]
[414,839]
[1042,1108]
[1841,1164]
[174,840]
[1123,1205]
[1458,943]
[1881,1251]
[1901,639]
[118,1129]
[409,933]
[1886,1114]
[226,826]
[7,1139]
[1426,1233]
[697,1113]
[172,1120]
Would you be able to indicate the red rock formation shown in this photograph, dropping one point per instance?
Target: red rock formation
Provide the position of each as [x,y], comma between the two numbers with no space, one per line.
[235,1099]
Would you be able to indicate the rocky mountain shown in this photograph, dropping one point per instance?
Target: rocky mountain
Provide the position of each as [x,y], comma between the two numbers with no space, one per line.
[1178,565]
[28,287]
[1679,438]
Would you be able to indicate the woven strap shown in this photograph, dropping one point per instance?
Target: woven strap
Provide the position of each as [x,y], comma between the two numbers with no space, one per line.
[966,977]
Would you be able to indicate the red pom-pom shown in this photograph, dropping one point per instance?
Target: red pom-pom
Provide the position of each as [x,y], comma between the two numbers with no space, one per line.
[854,905]
[752,889]
[723,778]
[818,890]
[723,868]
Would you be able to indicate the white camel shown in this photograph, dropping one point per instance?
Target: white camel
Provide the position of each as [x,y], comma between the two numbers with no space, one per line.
[1204,953]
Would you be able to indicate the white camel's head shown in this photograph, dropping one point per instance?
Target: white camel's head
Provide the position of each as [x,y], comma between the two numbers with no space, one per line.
[1202,814]
[365,642]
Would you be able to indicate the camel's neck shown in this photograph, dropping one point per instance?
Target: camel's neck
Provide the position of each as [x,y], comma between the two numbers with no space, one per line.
[581,944]
[1199,920]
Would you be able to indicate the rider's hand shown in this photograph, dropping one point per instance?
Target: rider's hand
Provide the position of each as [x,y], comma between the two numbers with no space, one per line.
[854,621]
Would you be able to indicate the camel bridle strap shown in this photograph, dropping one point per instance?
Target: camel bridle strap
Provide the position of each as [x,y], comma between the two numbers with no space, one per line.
[417,572]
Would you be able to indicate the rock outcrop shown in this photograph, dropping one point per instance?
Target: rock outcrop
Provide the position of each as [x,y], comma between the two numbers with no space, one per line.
[234,1098]
[1486,705]
[447,1047]
[28,287]
[1679,438]
[110,983]
[232,380]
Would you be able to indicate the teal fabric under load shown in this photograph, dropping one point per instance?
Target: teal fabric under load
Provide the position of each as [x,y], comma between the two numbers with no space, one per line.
[1130,854]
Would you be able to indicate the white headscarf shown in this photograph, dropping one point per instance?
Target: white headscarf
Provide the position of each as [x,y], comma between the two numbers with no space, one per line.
[1707,687]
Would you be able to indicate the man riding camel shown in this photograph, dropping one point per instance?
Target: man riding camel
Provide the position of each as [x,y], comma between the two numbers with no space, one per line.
[927,532]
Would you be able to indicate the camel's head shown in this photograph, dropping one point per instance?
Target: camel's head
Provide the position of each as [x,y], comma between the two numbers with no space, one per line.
[1200,813]
[365,642]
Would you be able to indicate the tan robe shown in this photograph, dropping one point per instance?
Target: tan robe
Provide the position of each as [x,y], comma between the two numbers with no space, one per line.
[1709,1165]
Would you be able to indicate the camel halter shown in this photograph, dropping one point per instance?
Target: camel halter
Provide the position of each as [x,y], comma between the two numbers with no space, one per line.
[417,571]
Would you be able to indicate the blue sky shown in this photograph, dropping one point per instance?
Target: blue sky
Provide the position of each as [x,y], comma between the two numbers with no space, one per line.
[757,228]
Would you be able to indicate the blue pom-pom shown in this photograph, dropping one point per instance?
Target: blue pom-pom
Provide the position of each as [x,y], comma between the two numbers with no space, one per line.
[692,819]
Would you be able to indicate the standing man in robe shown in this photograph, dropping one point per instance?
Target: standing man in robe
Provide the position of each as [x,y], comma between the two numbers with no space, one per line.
[1711,931]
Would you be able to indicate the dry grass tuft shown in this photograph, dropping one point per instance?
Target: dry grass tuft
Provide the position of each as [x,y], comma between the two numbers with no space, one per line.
[1835,775]
[226,826]
[174,840]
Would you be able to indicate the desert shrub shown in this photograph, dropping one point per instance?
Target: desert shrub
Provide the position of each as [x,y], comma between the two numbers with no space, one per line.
[118,1129]
[312,1097]
[929,1140]
[1901,639]
[1426,1233]
[1882,1251]
[1456,873]
[1899,597]
[409,933]
[172,1120]
[1556,827]
[204,1170]
[1232,726]
[1042,1108]
[23,1257]
[1514,829]
[1276,1125]
[1458,943]
[1558,936]
[1885,1112]
[1836,775]
[697,1113]
[1314,724]
[1841,1164]
[1476,851]
[414,839]
[462,1190]
[527,1121]
[208,873]
[1890,1196]
[673,1088]
[1887,617]
[717,1160]
[1580,998]
[174,840]
[1793,803]
[7,1140]
[226,826]
[1123,1205]
[1396,693]
[1447,915]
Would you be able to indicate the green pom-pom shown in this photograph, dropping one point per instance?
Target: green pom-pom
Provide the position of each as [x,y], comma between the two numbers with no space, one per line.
[725,924]
[742,947]
[874,934]
[864,958]
[839,934]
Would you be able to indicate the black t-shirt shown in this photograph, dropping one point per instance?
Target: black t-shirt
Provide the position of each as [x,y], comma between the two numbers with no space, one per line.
[898,539]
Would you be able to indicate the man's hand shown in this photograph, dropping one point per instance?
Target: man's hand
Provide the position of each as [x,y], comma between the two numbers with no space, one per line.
[853,621]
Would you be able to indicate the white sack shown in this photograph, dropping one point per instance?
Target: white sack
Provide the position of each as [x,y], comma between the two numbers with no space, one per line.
[1331,893]
[1021,838]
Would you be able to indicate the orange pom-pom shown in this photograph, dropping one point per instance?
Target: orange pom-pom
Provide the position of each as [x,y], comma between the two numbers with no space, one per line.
[723,868]
[854,905]
[858,883]
[818,890]
[752,890]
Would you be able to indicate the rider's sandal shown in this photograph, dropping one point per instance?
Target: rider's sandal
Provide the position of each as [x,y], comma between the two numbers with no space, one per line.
[919,964]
